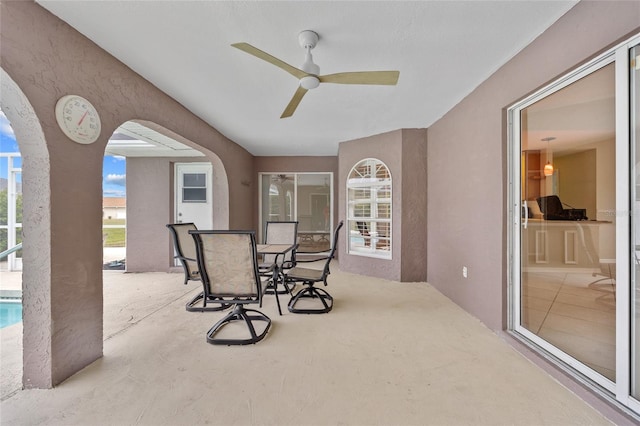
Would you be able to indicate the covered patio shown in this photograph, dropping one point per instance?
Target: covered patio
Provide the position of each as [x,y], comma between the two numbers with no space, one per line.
[365,363]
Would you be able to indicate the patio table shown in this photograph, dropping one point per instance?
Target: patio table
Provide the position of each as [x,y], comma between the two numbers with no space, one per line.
[279,250]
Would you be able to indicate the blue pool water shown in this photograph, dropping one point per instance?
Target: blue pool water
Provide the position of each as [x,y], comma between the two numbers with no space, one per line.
[10,313]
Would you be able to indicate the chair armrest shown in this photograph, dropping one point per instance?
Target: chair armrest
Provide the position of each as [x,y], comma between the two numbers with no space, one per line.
[184,258]
[265,268]
[313,260]
[314,252]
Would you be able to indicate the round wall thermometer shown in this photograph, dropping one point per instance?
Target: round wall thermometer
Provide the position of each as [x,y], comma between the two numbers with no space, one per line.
[78,119]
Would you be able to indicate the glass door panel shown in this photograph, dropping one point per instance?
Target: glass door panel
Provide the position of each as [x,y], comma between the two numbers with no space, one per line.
[313,209]
[567,238]
[277,197]
[305,197]
[635,221]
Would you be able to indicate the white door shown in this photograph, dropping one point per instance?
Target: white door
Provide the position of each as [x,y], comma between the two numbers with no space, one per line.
[193,194]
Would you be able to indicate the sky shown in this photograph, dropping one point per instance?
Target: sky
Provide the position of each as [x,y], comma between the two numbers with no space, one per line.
[113,167]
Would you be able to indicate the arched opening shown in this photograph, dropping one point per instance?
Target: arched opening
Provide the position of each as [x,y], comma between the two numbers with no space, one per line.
[152,154]
[35,370]
[154,157]
[35,335]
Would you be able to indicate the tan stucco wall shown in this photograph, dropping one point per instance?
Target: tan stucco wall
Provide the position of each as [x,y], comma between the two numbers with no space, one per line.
[48,59]
[404,153]
[414,205]
[149,210]
[467,162]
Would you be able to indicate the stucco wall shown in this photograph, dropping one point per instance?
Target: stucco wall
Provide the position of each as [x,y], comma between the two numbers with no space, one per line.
[467,162]
[414,205]
[386,147]
[150,206]
[48,59]
[36,228]
[148,210]
[404,153]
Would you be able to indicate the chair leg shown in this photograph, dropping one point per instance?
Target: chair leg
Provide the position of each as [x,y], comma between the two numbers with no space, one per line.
[311,292]
[192,305]
[239,313]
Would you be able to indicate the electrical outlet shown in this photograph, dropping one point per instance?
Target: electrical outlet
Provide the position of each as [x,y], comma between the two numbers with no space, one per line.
[465,272]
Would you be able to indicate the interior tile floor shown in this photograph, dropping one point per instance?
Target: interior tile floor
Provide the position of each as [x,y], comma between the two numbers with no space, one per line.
[575,312]
[389,353]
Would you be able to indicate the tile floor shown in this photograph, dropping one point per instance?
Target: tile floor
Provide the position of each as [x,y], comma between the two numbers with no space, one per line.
[574,313]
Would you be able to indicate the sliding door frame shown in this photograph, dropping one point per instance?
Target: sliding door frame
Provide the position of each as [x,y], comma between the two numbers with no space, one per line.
[620,391]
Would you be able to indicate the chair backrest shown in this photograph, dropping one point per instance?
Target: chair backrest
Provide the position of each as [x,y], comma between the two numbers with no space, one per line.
[185,249]
[280,233]
[363,228]
[550,205]
[228,264]
[334,245]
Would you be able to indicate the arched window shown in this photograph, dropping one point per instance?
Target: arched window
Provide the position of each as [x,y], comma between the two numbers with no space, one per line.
[369,209]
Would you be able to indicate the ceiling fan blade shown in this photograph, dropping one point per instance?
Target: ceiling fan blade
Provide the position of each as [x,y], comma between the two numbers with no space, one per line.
[387,78]
[246,47]
[293,103]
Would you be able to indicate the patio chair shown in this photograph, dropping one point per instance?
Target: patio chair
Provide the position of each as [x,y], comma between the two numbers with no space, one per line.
[186,252]
[228,266]
[607,271]
[363,229]
[309,277]
[553,209]
[279,233]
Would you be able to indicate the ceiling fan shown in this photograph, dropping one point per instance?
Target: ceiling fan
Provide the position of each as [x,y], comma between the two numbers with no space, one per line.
[281,178]
[309,72]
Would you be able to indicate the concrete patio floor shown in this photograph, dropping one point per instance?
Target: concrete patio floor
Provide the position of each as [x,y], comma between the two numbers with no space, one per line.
[388,353]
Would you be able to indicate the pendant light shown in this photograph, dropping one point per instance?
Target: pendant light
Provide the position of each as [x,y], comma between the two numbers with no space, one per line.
[548,168]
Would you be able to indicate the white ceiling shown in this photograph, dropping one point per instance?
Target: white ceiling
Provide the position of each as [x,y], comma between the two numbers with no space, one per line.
[443,50]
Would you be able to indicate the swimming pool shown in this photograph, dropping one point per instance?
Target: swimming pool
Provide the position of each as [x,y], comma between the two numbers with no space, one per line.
[10,313]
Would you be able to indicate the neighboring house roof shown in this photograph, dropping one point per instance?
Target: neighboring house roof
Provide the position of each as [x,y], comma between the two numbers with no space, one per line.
[114,202]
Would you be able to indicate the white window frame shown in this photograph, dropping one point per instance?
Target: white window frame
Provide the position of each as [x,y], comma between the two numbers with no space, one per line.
[294,201]
[372,184]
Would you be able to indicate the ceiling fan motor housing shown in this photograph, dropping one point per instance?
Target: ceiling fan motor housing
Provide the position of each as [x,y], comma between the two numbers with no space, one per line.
[308,39]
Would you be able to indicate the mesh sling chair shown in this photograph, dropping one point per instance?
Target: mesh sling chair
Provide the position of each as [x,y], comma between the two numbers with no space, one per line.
[229,271]
[309,277]
[186,253]
[279,233]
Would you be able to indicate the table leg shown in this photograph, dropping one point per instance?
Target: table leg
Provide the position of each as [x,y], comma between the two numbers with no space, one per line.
[276,277]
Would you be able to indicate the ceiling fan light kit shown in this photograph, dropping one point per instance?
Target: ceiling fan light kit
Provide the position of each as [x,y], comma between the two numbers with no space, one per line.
[308,74]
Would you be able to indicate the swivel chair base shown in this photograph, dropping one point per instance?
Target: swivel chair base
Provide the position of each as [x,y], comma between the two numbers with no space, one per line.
[239,313]
[311,292]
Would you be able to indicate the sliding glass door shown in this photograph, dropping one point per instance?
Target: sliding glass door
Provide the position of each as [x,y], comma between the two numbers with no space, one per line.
[573,285]
[635,220]
[305,197]
[568,287]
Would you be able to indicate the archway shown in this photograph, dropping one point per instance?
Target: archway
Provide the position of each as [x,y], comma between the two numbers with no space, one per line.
[220,180]
[36,276]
